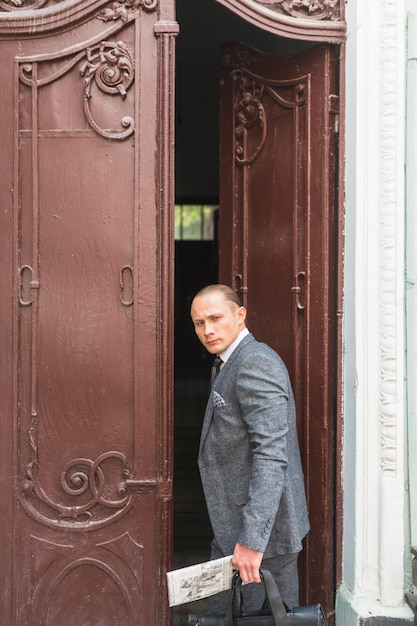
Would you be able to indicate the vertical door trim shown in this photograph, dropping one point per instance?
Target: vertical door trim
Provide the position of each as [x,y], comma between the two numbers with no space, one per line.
[166,32]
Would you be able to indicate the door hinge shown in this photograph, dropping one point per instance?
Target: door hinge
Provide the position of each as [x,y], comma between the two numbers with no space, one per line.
[334,112]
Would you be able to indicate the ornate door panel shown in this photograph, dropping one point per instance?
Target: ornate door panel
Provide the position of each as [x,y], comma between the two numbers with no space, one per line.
[278,248]
[85,377]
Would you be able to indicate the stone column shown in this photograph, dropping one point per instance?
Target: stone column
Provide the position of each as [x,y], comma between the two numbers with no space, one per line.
[375,536]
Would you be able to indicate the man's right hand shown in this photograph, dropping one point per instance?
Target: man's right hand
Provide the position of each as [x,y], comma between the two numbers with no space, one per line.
[247,562]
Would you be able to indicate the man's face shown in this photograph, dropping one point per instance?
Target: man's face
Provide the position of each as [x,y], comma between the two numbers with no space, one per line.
[217,323]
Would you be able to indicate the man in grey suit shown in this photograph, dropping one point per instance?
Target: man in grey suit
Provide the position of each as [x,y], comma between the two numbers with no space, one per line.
[249,456]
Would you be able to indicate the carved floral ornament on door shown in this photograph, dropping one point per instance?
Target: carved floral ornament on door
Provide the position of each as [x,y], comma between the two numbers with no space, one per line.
[305,9]
[109,66]
[250,114]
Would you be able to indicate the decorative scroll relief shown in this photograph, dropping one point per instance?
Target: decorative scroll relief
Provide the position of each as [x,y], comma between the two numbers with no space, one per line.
[109,66]
[87,499]
[305,9]
[250,117]
[249,114]
[116,10]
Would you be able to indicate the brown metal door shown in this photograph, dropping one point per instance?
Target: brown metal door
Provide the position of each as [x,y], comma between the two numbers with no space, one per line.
[85,308]
[278,248]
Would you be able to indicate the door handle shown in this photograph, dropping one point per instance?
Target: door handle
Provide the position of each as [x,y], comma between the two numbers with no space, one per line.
[26,284]
[297,290]
[126,285]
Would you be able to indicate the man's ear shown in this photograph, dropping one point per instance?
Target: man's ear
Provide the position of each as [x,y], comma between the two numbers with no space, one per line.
[241,314]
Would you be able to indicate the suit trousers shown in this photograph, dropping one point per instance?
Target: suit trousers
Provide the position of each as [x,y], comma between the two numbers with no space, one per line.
[284,569]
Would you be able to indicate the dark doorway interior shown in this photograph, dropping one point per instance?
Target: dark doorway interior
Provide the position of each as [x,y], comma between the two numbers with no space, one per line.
[196,265]
[204,25]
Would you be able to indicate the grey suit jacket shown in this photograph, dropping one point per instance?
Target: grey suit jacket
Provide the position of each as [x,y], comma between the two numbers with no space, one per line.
[249,457]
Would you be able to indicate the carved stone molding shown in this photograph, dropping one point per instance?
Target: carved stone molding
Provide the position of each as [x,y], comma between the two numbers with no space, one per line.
[120,9]
[388,232]
[16,5]
[314,20]
[123,8]
[306,9]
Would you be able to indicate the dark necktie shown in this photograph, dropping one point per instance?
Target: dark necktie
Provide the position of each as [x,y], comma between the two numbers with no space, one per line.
[215,368]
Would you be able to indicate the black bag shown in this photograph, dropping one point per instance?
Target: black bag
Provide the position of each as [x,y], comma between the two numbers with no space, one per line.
[278,615]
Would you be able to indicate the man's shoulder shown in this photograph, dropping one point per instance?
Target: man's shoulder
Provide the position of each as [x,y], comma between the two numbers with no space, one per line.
[251,347]
[251,343]
[259,360]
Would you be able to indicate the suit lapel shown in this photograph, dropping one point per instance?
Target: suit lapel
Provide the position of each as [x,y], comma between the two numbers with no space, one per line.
[208,415]
[207,420]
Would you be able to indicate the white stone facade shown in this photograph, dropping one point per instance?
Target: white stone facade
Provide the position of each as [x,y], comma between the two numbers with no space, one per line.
[379,424]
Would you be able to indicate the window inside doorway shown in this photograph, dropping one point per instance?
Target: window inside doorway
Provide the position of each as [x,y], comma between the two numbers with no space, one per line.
[195,222]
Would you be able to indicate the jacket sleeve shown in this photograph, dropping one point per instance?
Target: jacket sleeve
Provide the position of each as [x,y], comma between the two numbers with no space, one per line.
[262,391]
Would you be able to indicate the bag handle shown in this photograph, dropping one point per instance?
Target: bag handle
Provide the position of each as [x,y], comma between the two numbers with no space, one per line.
[272,594]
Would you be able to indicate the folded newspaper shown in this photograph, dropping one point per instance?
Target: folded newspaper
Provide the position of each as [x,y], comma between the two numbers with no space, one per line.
[199,581]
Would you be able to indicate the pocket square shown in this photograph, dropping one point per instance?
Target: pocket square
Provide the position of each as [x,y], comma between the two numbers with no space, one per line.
[218,400]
